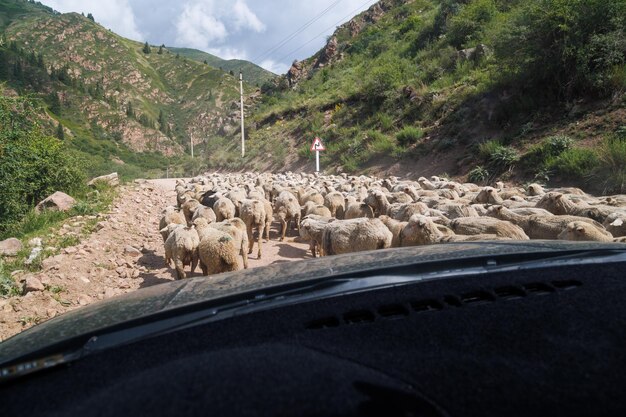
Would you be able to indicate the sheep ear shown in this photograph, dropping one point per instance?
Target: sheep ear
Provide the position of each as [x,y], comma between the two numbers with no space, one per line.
[580,229]
[164,230]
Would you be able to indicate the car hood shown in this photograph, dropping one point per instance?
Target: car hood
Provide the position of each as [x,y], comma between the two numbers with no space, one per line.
[161,298]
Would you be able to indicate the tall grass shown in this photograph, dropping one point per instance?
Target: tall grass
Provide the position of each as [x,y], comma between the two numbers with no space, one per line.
[611,170]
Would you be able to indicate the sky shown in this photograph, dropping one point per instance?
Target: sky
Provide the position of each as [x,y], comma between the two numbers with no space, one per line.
[262,31]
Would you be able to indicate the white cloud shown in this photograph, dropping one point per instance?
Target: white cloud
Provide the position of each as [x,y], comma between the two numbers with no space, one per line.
[228,53]
[245,18]
[275,67]
[197,26]
[116,15]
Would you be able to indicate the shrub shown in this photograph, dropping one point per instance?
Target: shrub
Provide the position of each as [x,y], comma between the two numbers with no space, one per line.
[499,158]
[33,165]
[409,135]
[563,47]
[575,163]
[478,175]
[540,155]
[611,170]
[555,145]
[381,144]
[503,158]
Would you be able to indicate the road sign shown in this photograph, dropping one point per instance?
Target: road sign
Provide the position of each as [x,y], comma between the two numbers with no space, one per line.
[317,145]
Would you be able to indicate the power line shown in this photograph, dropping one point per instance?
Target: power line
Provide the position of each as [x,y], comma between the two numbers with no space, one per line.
[326,30]
[297,32]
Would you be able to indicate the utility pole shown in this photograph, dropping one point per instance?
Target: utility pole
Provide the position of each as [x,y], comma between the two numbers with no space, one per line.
[243,134]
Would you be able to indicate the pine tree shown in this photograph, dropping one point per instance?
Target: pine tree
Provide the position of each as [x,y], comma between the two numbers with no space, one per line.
[205,62]
[130,112]
[161,49]
[60,132]
[55,103]
[90,17]
[146,48]
[162,122]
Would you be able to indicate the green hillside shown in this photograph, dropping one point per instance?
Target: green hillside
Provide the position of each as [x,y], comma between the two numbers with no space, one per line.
[253,74]
[124,109]
[521,90]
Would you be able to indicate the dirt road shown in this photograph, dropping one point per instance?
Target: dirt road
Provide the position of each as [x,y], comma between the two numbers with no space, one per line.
[124,255]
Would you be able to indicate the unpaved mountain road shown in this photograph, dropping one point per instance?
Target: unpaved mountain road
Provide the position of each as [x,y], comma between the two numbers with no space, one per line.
[124,255]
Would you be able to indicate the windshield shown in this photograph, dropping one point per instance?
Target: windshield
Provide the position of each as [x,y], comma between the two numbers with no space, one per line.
[175,145]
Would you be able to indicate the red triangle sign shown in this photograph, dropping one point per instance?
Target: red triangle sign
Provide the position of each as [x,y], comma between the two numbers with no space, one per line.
[317,145]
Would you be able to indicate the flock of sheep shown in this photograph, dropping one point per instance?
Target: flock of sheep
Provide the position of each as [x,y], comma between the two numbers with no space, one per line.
[220,217]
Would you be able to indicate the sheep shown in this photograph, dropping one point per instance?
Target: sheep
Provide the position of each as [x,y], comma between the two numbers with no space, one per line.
[269,217]
[558,203]
[581,231]
[254,216]
[312,229]
[615,223]
[313,196]
[336,204]
[539,226]
[487,225]
[488,195]
[181,247]
[287,209]
[346,236]
[204,212]
[234,227]
[535,190]
[189,207]
[317,209]
[456,210]
[395,227]
[403,212]
[224,209]
[209,198]
[355,209]
[216,250]
[170,216]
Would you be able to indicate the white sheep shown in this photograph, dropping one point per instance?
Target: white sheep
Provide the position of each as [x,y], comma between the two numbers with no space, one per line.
[312,230]
[287,209]
[181,247]
[224,209]
[254,216]
[582,231]
[346,236]
[216,250]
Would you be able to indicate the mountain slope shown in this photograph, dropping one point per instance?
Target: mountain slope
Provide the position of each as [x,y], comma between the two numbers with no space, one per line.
[253,74]
[427,87]
[129,109]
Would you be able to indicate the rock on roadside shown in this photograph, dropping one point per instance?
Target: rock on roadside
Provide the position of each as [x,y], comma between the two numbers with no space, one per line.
[10,247]
[58,201]
[111,179]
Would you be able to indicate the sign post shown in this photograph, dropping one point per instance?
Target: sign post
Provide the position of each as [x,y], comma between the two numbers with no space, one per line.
[317,147]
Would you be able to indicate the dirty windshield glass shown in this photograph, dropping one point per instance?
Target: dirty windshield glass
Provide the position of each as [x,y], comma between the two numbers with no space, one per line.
[148,151]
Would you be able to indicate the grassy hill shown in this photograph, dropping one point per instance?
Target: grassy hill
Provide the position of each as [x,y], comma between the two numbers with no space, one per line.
[253,74]
[485,89]
[121,108]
